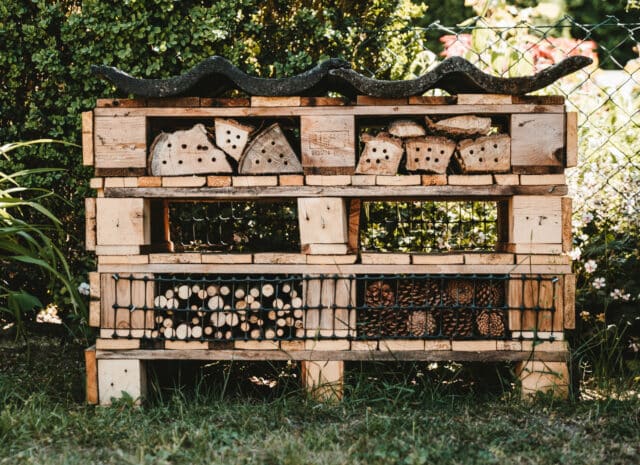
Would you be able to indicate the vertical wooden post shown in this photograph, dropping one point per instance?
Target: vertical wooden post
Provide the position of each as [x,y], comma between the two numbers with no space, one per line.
[116,377]
[160,229]
[323,379]
[536,376]
[92,375]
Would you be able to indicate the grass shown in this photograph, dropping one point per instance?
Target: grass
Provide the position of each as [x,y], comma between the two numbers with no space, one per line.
[219,416]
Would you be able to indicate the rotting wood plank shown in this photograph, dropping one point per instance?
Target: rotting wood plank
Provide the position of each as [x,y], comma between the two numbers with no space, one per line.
[353,355]
[381,192]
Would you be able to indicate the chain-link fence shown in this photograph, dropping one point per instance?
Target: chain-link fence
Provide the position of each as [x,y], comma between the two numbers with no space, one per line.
[606,95]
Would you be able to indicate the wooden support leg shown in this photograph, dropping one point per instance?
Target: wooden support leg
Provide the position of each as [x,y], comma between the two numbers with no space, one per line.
[538,376]
[92,375]
[324,380]
[116,377]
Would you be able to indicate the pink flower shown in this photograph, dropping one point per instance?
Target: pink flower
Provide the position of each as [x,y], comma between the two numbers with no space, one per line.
[599,283]
[590,266]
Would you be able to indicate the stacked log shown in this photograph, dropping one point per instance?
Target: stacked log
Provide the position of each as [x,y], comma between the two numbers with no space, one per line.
[230,311]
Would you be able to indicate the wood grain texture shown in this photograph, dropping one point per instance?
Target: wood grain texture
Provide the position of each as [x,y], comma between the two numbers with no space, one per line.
[535,220]
[570,301]
[322,220]
[327,142]
[90,223]
[91,370]
[353,234]
[571,157]
[116,376]
[122,222]
[87,138]
[120,142]
[528,148]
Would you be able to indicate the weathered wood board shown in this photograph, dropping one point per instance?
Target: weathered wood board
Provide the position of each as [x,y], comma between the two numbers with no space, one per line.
[328,144]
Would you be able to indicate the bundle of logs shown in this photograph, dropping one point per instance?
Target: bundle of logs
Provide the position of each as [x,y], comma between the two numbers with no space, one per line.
[227,148]
[430,148]
[433,307]
[233,311]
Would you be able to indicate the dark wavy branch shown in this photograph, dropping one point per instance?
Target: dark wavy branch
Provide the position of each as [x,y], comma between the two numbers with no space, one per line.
[216,75]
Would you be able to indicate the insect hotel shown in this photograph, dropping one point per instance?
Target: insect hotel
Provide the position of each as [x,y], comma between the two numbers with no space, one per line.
[399,226]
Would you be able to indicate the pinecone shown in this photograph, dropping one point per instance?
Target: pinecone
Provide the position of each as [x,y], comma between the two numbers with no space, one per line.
[457,322]
[380,319]
[460,291]
[422,322]
[489,293]
[490,323]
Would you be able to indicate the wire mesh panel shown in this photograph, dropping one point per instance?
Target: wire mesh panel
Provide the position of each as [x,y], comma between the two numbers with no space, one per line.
[235,226]
[429,226]
[363,307]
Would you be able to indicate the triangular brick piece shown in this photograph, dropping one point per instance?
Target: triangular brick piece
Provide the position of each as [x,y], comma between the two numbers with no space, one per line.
[232,136]
[269,152]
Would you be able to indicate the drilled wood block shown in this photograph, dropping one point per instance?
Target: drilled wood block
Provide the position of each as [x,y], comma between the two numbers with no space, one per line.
[269,152]
[430,154]
[537,139]
[327,142]
[232,137]
[118,376]
[489,154]
[94,314]
[381,155]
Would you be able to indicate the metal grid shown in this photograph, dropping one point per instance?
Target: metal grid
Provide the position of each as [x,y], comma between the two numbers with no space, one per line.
[235,226]
[329,307]
[429,226]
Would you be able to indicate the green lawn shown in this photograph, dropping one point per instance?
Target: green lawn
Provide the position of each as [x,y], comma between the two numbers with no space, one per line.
[464,418]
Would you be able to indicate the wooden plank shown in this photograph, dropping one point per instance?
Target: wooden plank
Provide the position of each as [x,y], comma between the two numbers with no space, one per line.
[484,99]
[437,355]
[405,180]
[120,103]
[433,179]
[179,102]
[353,239]
[118,376]
[120,142]
[96,183]
[91,370]
[117,344]
[537,336]
[149,181]
[327,142]
[94,313]
[94,285]
[218,181]
[545,346]
[325,249]
[379,101]
[535,220]
[395,345]
[326,345]
[322,101]
[87,138]
[90,223]
[327,180]
[227,258]
[322,220]
[385,258]
[571,156]
[256,345]
[473,346]
[432,100]
[538,99]
[470,180]
[186,345]
[122,222]
[184,181]
[123,259]
[276,257]
[489,258]
[507,179]
[543,259]
[188,257]
[255,192]
[535,305]
[359,110]
[528,148]
[567,233]
[225,102]
[118,250]
[363,180]
[570,301]
[329,268]
[437,259]
[508,345]
[131,297]
[534,248]
[251,181]
[116,181]
[257,101]
[331,259]
[291,180]
[542,179]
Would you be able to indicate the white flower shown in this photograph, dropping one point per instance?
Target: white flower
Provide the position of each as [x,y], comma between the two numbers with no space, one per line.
[618,294]
[598,283]
[590,266]
[575,254]
[587,217]
[84,289]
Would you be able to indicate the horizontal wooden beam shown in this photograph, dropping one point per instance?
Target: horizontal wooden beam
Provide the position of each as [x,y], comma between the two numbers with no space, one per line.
[357,110]
[369,192]
[352,355]
[272,268]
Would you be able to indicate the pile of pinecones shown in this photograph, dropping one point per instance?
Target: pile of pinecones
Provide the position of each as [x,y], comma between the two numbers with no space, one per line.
[432,307]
